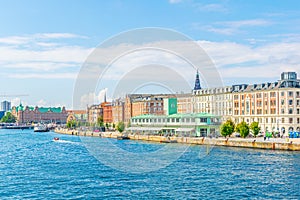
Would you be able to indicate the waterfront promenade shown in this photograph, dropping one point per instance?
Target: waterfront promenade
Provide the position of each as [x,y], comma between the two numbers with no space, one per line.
[291,144]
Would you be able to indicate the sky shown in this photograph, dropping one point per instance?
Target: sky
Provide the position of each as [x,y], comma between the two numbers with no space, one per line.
[44,44]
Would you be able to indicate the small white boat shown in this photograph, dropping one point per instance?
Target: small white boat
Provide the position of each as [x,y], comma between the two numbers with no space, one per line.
[40,128]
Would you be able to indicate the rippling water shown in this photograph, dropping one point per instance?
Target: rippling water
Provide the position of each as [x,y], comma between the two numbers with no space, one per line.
[33,166]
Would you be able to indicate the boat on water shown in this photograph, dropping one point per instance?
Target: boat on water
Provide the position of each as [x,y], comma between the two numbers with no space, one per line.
[56,139]
[40,128]
[168,140]
[123,138]
[22,127]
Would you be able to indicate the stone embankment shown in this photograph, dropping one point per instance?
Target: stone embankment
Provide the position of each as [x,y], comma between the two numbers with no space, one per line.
[259,143]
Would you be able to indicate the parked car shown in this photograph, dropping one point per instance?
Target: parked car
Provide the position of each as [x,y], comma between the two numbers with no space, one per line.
[237,135]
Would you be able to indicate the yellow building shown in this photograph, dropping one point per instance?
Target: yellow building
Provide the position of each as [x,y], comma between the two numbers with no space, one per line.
[276,106]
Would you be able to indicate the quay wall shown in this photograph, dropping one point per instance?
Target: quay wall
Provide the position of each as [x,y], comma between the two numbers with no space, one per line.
[280,144]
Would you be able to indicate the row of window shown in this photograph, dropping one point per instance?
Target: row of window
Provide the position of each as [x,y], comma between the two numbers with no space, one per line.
[272,120]
[272,111]
[272,94]
[272,103]
[168,120]
[213,91]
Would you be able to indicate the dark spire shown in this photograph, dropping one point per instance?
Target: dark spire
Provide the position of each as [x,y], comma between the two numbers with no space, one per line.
[105,96]
[197,82]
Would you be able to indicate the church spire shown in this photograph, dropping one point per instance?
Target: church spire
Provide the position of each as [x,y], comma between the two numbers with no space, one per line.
[105,96]
[197,82]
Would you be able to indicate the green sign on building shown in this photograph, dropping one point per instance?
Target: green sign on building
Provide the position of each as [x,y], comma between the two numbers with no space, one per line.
[170,106]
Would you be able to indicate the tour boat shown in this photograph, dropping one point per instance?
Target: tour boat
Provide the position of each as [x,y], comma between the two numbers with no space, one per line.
[40,128]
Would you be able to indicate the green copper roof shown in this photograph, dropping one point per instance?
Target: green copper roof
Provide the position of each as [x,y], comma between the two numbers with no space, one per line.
[20,108]
[50,109]
[41,109]
[31,108]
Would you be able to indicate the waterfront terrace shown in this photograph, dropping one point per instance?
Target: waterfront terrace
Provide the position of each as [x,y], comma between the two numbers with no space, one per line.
[194,124]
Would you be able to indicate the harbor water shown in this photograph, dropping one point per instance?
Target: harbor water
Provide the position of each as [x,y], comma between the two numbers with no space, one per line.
[34,166]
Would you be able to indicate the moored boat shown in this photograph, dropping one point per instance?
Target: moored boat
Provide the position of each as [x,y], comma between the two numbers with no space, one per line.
[40,128]
[22,127]
[123,138]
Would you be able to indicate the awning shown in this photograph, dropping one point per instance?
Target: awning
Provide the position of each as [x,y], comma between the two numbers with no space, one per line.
[144,128]
[184,129]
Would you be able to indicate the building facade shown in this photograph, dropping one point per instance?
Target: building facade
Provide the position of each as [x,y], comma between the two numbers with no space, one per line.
[196,124]
[36,114]
[118,110]
[276,106]
[142,104]
[93,113]
[107,112]
[78,115]
[5,106]
[184,103]
[217,101]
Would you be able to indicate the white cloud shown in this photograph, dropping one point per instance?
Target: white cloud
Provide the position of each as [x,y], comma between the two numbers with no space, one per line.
[35,38]
[92,98]
[211,7]
[233,60]
[231,27]
[230,58]
[42,103]
[31,56]
[59,54]
[175,1]
[16,102]
[239,60]
[40,66]
[47,44]
[240,23]
[14,40]
[42,75]
[59,35]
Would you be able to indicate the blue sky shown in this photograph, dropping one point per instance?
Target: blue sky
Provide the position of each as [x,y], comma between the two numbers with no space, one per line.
[43,44]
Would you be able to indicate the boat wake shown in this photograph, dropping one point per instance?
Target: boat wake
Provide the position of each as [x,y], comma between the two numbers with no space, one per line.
[65,141]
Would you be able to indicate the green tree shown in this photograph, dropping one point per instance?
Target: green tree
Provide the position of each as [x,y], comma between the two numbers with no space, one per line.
[227,128]
[243,129]
[71,124]
[114,126]
[121,127]
[129,124]
[8,118]
[100,121]
[254,126]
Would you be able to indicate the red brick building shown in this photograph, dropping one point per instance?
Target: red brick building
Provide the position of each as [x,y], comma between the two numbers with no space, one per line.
[36,114]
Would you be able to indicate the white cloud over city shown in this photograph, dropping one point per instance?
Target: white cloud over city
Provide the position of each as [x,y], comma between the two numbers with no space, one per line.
[43,55]
[33,58]
[64,61]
